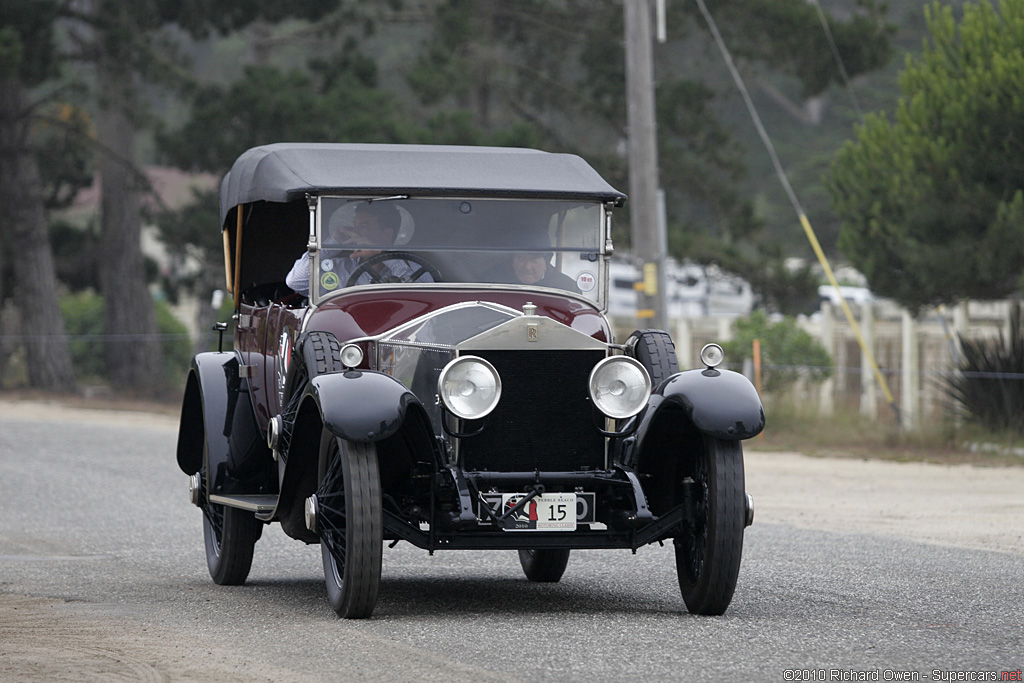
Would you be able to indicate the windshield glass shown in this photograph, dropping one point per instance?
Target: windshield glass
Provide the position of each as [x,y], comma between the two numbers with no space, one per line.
[517,242]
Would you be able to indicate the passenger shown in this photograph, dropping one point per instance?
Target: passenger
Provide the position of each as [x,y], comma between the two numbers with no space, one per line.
[373,223]
[533,265]
[533,268]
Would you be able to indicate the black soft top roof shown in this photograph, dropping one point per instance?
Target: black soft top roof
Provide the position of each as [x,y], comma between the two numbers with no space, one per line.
[285,172]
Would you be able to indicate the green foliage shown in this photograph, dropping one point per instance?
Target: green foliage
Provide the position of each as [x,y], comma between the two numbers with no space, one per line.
[75,255]
[697,145]
[200,16]
[269,105]
[530,73]
[932,202]
[787,352]
[225,314]
[192,232]
[789,34]
[65,152]
[989,384]
[560,66]
[83,322]
[548,75]
[175,346]
[27,48]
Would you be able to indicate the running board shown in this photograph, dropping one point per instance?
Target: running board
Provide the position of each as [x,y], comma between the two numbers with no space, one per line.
[259,503]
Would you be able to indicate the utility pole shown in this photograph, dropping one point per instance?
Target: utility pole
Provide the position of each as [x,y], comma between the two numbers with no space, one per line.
[643,165]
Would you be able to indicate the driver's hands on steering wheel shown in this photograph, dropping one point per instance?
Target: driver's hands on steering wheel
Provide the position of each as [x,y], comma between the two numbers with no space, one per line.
[386,275]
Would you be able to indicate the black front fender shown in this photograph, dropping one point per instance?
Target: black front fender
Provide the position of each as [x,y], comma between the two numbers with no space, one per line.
[361,406]
[719,403]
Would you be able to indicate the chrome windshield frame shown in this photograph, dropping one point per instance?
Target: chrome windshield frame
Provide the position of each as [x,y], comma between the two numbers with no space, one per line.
[602,250]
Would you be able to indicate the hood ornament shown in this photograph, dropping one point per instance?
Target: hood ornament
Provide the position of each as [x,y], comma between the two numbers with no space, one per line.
[532,331]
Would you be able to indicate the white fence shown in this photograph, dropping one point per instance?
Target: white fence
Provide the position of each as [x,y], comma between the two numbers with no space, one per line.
[914,355]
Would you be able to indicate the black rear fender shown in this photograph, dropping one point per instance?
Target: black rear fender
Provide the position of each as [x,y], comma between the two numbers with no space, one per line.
[205,403]
[217,414]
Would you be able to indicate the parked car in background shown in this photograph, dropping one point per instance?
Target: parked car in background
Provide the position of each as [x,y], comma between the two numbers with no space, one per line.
[692,290]
[422,391]
[852,295]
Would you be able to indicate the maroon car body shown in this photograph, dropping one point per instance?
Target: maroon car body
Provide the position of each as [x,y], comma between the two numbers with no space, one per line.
[429,394]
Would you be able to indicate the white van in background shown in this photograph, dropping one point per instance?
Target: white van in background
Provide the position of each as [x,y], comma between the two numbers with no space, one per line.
[853,295]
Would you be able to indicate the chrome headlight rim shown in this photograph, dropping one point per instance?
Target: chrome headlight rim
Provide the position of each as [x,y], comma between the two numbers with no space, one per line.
[712,355]
[351,355]
[463,364]
[637,403]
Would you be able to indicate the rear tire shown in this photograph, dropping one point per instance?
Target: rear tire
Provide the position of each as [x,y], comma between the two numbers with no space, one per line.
[350,524]
[230,536]
[709,549]
[544,566]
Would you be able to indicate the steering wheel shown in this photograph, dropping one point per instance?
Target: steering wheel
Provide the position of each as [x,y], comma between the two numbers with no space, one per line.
[425,267]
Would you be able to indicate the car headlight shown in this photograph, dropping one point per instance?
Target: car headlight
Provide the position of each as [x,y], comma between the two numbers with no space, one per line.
[470,387]
[620,387]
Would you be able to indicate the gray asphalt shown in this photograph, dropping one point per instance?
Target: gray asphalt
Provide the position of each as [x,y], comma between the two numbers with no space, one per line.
[97,515]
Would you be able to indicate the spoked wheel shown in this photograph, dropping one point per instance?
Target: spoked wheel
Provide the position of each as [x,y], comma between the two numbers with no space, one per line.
[544,566]
[709,548]
[230,536]
[349,521]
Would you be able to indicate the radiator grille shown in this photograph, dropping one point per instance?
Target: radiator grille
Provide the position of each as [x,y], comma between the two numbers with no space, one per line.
[544,420]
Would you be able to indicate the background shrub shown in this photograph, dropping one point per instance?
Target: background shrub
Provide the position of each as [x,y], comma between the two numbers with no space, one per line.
[989,384]
[787,352]
[83,321]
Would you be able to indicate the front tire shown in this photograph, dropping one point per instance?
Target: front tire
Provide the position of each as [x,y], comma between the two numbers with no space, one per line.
[544,566]
[709,549]
[350,524]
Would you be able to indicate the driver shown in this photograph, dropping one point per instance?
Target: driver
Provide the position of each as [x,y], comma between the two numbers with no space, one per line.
[373,223]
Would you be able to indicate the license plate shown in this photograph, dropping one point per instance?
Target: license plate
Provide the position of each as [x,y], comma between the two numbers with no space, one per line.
[546,512]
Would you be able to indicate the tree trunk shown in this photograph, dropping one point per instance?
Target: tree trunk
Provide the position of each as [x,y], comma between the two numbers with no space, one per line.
[27,247]
[132,349]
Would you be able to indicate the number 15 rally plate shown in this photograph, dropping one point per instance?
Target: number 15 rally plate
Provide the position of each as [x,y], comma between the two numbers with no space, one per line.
[547,512]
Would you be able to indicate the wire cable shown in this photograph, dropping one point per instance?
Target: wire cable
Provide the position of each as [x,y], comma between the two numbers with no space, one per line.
[839,60]
[802,215]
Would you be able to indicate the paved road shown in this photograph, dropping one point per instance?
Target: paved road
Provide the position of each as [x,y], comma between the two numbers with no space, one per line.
[103,577]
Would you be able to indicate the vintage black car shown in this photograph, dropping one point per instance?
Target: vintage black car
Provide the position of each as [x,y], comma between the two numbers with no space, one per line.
[421,355]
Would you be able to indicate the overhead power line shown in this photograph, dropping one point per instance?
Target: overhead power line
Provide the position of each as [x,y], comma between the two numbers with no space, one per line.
[839,59]
[801,214]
